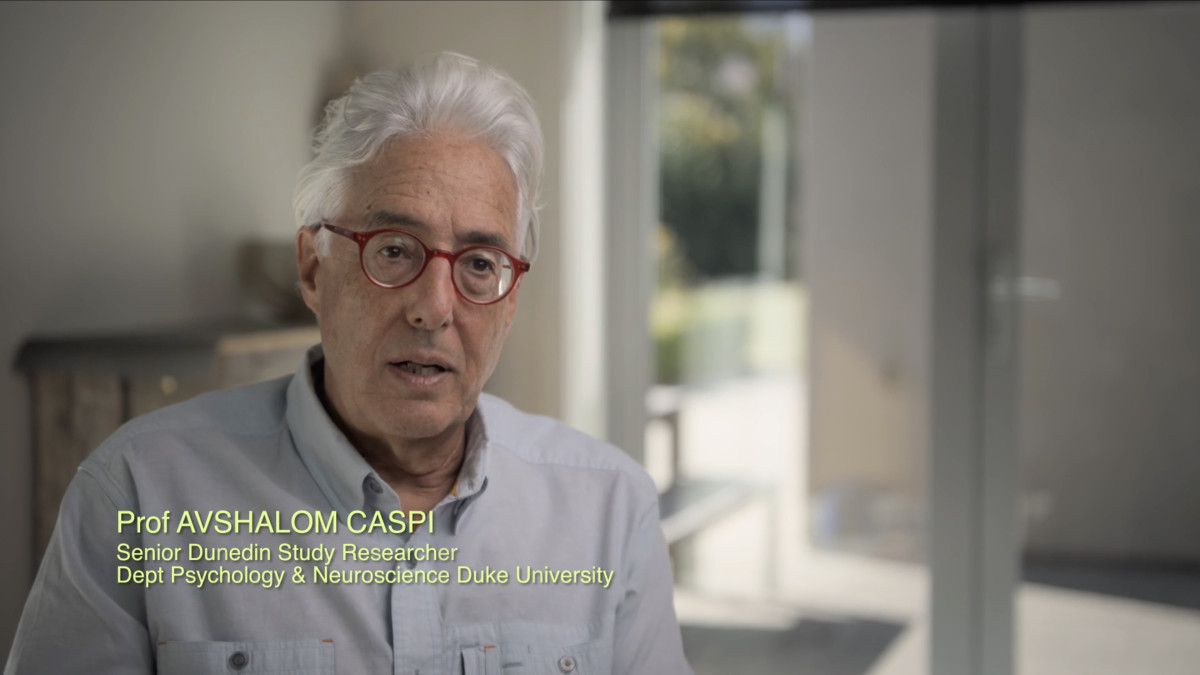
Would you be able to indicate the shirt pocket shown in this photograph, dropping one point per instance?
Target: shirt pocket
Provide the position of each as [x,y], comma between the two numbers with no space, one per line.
[273,657]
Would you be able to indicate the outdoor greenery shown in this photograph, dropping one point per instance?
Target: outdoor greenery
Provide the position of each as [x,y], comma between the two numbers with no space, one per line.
[717,78]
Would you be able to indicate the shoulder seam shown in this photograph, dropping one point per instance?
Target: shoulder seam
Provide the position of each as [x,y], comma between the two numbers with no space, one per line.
[641,482]
[597,466]
[111,449]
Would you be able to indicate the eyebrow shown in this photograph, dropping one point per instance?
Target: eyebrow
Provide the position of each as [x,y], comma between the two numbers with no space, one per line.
[384,218]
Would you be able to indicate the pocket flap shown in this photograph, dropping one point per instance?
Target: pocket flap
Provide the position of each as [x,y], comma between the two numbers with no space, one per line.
[582,659]
[273,657]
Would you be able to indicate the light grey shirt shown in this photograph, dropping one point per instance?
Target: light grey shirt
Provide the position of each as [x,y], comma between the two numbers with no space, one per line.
[533,496]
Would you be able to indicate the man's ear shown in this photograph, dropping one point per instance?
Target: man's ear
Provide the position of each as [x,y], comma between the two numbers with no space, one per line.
[308,264]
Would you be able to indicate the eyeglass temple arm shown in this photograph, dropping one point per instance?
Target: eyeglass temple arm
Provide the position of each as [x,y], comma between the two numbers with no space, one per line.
[349,234]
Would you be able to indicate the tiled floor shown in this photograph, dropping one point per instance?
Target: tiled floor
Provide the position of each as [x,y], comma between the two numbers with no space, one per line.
[1059,631]
[753,572]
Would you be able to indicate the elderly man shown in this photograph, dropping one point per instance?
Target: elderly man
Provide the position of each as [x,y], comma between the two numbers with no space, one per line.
[374,512]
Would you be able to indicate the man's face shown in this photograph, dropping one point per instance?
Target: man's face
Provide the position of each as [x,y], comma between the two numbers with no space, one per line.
[450,192]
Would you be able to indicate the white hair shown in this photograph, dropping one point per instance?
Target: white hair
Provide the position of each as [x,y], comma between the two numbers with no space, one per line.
[452,92]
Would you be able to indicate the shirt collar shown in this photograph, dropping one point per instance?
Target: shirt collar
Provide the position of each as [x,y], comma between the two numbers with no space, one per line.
[341,473]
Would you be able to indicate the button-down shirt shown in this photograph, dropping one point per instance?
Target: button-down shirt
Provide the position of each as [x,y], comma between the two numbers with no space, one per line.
[534,499]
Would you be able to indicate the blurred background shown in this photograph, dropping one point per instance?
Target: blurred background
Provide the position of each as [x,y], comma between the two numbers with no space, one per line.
[897,304]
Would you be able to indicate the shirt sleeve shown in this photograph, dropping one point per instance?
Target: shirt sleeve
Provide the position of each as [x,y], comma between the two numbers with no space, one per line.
[647,638]
[78,619]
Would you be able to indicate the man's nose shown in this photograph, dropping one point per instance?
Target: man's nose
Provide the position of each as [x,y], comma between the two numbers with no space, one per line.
[433,306]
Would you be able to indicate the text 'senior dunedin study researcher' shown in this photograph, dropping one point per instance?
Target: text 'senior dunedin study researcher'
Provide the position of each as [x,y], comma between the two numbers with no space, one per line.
[374,512]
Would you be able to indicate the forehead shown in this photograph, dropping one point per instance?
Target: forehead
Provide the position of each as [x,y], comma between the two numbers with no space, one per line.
[445,186]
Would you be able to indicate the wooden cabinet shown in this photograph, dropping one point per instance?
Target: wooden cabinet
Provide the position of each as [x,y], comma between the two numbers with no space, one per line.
[83,388]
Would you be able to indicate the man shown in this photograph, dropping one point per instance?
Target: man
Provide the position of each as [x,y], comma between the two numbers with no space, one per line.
[374,512]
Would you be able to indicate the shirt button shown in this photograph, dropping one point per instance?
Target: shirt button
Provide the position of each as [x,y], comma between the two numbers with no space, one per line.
[238,660]
[374,485]
[566,664]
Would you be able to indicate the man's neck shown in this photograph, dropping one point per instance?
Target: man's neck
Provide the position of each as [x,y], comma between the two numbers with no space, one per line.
[421,477]
[420,472]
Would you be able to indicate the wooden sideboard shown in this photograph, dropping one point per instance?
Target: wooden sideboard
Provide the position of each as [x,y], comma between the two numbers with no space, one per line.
[83,387]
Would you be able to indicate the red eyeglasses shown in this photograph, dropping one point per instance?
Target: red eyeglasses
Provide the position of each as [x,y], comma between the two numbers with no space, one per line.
[482,275]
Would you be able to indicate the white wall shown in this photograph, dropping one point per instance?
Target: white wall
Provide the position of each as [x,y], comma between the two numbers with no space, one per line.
[139,142]
[867,193]
[1110,372]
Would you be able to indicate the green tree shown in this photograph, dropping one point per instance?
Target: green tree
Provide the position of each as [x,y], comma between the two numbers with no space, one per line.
[716,78]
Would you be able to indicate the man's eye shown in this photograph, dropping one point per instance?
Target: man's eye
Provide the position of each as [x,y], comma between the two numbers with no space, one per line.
[394,252]
[480,265]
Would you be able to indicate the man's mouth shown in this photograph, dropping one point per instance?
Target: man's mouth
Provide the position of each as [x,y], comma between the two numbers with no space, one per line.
[419,368]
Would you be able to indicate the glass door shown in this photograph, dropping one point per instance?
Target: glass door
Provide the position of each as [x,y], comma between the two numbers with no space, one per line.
[784,402]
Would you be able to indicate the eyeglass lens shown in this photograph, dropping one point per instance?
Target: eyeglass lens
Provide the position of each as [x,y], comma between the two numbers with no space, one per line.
[395,259]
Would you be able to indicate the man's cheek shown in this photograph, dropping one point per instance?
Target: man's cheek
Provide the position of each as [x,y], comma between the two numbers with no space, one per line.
[344,307]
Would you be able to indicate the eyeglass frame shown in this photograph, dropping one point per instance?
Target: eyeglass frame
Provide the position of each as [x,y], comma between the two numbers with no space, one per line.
[361,238]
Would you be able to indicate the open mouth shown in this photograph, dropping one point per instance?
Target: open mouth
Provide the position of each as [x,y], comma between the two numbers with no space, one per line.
[419,368]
